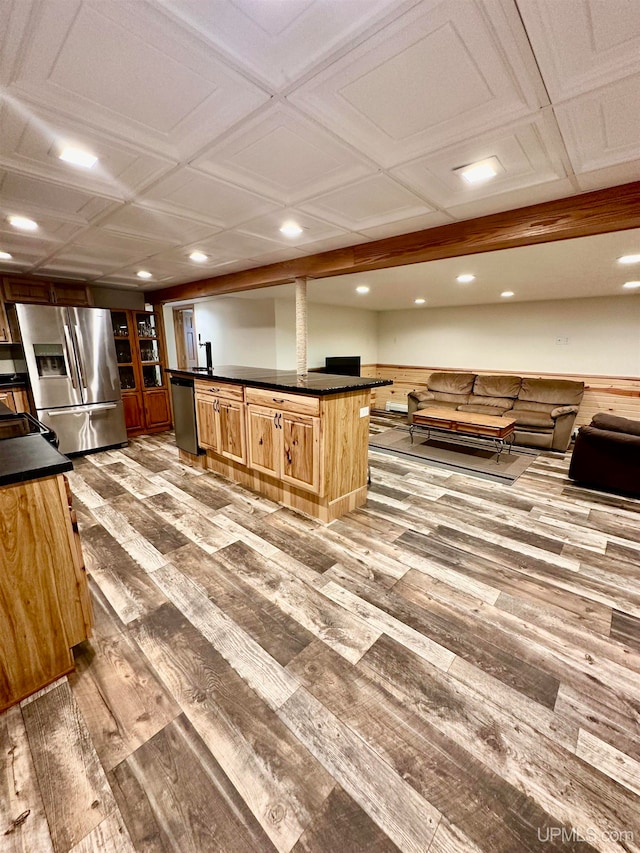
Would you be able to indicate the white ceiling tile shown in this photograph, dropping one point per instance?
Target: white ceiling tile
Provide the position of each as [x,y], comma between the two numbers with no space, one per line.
[367,204]
[126,68]
[284,155]
[17,190]
[526,152]
[138,221]
[112,250]
[612,176]
[434,76]
[268,227]
[603,128]
[279,42]
[407,226]
[513,199]
[195,194]
[582,44]
[33,138]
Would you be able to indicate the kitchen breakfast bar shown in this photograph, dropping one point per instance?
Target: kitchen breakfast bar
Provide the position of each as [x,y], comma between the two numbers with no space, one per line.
[298,440]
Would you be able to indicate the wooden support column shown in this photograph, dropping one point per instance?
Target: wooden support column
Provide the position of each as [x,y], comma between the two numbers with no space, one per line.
[301,326]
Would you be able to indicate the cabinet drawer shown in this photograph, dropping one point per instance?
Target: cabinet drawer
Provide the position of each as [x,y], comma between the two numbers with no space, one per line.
[219,389]
[300,403]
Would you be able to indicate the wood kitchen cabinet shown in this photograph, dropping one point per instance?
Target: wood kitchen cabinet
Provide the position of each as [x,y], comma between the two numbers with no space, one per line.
[221,419]
[140,355]
[45,607]
[285,445]
[33,290]
[15,399]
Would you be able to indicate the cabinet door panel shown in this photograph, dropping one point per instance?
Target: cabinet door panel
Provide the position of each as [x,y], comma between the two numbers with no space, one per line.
[207,424]
[6,397]
[133,414]
[301,451]
[263,443]
[5,331]
[232,430]
[156,408]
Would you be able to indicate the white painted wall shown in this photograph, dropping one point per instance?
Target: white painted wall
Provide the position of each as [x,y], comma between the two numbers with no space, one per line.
[332,330]
[241,331]
[603,336]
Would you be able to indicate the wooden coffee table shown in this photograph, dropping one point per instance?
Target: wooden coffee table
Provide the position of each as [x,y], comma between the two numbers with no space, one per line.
[498,430]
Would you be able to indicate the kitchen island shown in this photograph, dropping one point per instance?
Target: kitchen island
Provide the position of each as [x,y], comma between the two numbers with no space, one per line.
[301,441]
[44,598]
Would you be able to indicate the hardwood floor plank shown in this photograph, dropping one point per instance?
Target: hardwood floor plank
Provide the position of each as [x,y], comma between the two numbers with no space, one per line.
[192,525]
[109,836]
[626,629]
[277,633]
[23,824]
[183,799]
[342,825]
[280,782]
[447,776]
[75,792]
[120,698]
[390,802]
[556,780]
[348,634]
[149,524]
[609,760]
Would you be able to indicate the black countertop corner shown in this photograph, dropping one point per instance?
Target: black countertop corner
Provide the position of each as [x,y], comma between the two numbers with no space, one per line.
[316,384]
[30,457]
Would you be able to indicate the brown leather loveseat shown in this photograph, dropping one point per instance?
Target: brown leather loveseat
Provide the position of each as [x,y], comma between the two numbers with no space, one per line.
[545,409]
[607,455]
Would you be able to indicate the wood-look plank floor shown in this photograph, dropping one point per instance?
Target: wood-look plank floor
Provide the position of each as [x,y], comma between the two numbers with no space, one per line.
[454,668]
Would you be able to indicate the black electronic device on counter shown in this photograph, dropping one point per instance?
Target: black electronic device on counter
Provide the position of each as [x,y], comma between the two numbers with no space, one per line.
[342,365]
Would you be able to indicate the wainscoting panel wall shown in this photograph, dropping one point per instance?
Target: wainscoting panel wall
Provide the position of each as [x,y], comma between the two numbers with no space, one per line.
[619,395]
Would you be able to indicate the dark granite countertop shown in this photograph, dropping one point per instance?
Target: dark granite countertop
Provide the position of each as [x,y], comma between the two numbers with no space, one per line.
[29,457]
[315,384]
[6,412]
[13,380]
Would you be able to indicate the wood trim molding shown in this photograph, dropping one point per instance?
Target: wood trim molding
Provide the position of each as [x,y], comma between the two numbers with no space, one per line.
[598,212]
[605,377]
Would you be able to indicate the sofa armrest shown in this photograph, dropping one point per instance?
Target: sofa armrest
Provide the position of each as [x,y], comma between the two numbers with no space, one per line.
[421,396]
[564,410]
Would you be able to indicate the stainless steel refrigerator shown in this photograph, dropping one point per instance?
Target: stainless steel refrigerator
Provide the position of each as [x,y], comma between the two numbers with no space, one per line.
[71,359]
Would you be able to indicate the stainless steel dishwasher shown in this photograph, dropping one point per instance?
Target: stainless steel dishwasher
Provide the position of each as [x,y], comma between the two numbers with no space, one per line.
[184,414]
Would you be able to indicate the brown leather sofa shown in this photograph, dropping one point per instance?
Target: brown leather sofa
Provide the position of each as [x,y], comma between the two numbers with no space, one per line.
[545,409]
[606,455]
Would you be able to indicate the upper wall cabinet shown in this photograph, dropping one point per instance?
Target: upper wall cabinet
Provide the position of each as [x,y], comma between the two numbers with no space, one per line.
[46,292]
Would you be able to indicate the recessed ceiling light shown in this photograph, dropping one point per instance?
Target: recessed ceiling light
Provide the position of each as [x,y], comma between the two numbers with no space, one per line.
[291,229]
[630,285]
[22,223]
[143,274]
[78,157]
[466,278]
[483,170]
[507,293]
[629,259]
[5,256]
[199,257]
[362,288]
[420,301]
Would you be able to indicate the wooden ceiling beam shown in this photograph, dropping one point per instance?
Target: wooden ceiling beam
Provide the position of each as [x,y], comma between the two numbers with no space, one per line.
[598,212]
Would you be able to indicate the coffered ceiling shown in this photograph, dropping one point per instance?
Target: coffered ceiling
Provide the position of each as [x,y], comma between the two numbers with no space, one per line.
[215,121]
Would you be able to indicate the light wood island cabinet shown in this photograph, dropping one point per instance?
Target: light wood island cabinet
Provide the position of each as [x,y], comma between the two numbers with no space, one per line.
[305,449]
[45,607]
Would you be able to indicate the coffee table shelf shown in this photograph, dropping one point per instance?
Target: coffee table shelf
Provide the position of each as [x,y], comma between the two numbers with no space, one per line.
[470,425]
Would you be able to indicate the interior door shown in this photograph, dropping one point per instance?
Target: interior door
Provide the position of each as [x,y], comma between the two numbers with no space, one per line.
[50,355]
[98,366]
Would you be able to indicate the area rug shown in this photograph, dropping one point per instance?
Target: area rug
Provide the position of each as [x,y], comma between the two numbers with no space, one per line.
[473,459]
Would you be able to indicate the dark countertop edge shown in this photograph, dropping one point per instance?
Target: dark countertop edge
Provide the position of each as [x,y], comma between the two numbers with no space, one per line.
[13,380]
[345,383]
[30,457]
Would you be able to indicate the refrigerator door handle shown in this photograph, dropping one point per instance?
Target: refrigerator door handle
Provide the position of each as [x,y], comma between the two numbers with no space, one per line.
[81,370]
[100,407]
[68,349]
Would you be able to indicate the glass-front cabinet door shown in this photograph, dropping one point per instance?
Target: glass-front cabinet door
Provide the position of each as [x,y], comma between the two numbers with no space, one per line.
[125,354]
[149,351]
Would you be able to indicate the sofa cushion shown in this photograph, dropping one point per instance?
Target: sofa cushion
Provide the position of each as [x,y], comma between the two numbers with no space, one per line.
[503,403]
[482,410]
[532,418]
[451,383]
[456,399]
[613,423]
[497,386]
[526,406]
[438,404]
[561,392]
